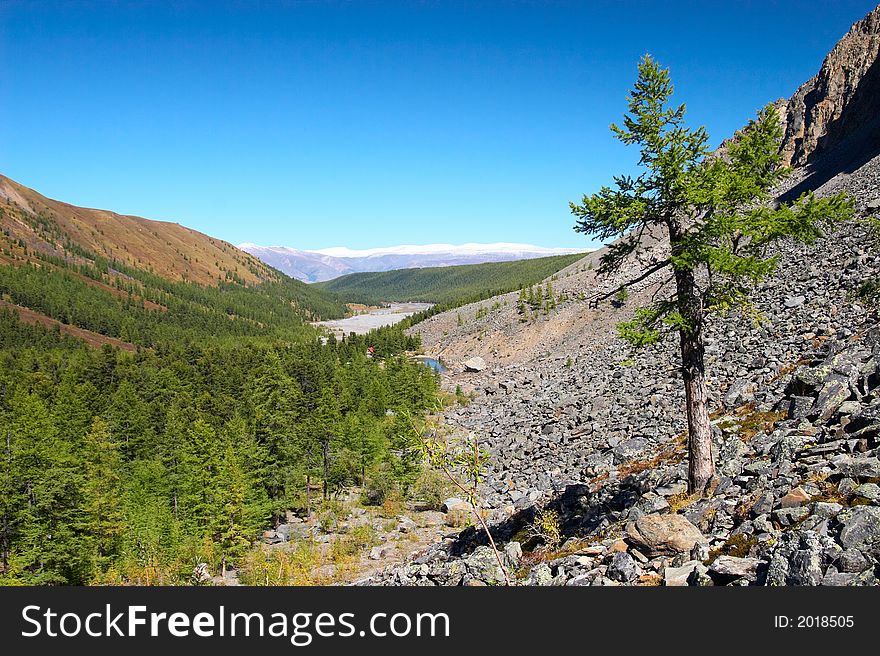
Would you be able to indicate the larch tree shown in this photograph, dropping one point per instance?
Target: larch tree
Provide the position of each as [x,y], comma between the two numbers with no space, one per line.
[718,216]
[102,493]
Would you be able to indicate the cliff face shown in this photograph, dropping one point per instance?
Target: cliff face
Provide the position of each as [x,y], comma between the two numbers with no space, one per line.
[838,111]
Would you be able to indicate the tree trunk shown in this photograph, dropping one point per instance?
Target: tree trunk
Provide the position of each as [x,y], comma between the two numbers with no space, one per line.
[308,496]
[701,464]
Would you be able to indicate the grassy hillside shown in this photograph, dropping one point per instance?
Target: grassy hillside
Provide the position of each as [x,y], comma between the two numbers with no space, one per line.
[137,281]
[445,285]
[169,250]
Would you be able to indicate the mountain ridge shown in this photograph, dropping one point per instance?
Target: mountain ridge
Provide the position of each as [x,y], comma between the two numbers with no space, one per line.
[329,263]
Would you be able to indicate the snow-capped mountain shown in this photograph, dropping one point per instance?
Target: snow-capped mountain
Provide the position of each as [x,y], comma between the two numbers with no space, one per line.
[329,263]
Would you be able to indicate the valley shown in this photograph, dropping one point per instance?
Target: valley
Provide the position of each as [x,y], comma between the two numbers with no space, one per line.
[365,321]
[180,411]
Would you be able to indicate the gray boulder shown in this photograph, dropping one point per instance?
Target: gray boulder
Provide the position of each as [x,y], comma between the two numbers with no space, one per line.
[860,528]
[733,567]
[622,568]
[664,534]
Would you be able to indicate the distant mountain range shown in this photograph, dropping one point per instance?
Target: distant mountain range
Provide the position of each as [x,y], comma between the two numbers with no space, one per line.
[330,263]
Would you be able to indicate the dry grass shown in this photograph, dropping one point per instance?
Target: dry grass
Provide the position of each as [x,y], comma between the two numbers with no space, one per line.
[786,369]
[682,500]
[675,452]
[650,580]
[749,422]
[173,251]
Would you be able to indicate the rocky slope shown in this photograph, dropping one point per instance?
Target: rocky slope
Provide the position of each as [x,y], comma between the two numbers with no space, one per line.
[580,427]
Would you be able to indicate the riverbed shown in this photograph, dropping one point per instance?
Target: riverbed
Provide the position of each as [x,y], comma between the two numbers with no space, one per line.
[360,324]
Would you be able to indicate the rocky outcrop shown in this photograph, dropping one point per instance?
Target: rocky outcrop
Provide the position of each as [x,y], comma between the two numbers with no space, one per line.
[837,109]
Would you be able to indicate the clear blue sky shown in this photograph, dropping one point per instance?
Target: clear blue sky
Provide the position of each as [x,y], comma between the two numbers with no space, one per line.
[364,124]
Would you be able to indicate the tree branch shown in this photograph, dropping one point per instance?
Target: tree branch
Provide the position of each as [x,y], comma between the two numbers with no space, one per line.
[593,301]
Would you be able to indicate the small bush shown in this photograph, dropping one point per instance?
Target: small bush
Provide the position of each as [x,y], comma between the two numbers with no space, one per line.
[380,484]
[392,505]
[431,488]
[546,528]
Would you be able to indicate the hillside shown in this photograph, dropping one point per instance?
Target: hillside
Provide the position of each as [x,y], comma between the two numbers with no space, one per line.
[168,250]
[444,285]
[580,426]
[155,427]
[137,281]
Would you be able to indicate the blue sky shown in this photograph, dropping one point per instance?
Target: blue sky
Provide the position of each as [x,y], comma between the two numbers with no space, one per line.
[365,124]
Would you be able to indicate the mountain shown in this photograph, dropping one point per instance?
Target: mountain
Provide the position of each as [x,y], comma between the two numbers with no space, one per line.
[330,263]
[581,429]
[447,285]
[167,249]
[834,116]
[133,282]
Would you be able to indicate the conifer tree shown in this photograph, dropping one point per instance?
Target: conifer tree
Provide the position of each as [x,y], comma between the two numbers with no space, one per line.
[716,213]
[102,493]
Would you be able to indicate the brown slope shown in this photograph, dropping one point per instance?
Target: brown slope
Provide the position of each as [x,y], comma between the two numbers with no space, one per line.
[167,249]
[91,338]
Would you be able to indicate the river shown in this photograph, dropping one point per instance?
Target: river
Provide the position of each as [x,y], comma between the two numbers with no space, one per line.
[361,324]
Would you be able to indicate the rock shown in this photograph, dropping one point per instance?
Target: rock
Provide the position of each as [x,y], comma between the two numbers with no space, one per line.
[860,528]
[829,112]
[664,534]
[805,567]
[406,525]
[869,491]
[622,568]
[835,579]
[700,577]
[852,561]
[475,364]
[378,553]
[733,567]
[678,576]
[791,516]
[826,510]
[540,575]
[855,467]
[795,301]
[800,406]
[763,505]
[794,499]
[629,449]
[453,502]
[512,554]
[483,566]
[580,580]
[742,391]
[831,396]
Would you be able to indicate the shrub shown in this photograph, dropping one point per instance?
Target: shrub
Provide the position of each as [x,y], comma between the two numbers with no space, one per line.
[431,488]
[546,528]
[380,484]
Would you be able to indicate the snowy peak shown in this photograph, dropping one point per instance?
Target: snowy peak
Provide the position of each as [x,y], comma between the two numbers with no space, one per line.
[328,263]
